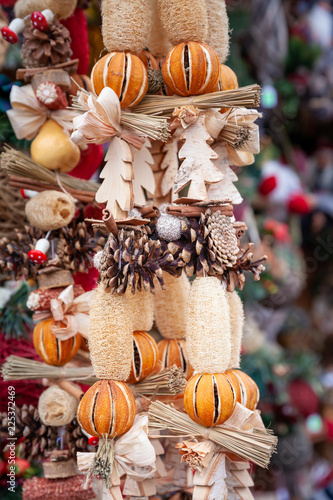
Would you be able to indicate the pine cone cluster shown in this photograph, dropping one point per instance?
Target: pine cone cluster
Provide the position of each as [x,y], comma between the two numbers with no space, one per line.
[134,260]
[235,276]
[222,239]
[38,438]
[77,245]
[46,48]
[77,441]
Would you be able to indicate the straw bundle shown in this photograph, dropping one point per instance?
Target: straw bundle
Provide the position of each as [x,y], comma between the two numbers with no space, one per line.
[56,407]
[184,21]
[218,28]
[170,306]
[158,43]
[110,336]
[140,309]
[126,25]
[208,326]
[236,324]
[257,446]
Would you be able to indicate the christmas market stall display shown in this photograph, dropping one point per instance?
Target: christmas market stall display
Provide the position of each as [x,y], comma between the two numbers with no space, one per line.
[122,416]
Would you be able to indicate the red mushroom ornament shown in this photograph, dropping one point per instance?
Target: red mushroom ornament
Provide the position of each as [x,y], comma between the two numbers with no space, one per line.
[38,254]
[10,33]
[41,20]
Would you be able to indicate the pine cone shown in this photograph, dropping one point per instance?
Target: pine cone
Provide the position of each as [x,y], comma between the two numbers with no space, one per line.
[235,276]
[77,441]
[38,438]
[222,239]
[46,48]
[133,259]
[77,245]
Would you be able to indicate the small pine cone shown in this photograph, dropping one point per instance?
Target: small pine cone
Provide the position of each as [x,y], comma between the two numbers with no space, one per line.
[77,441]
[222,238]
[46,48]
[155,81]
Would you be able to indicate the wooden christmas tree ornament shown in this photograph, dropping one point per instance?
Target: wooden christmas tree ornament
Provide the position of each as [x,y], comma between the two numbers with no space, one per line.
[50,210]
[124,73]
[173,352]
[50,349]
[237,325]
[184,21]
[107,409]
[247,391]
[209,399]
[218,28]
[191,68]
[145,357]
[110,336]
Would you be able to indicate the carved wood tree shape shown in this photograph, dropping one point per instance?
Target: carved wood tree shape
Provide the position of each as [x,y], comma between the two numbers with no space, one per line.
[169,165]
[197,169]
[116,190]
[224,189]
[143,174]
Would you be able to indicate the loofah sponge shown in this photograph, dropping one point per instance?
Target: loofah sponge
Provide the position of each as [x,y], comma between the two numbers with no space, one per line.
[50,210]
[218,28]
[170,306]
[110,336]
[236,324]
[60,8]
[208,326]
[56,407]
[184,21]
[158,43]
[126,25]
[140,308]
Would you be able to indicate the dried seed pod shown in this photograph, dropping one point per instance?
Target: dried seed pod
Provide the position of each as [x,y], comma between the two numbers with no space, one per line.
[236,324]
[52,350]
[184,21]
[140,307]
[145,357]
[173,352]
[208,326]
[50,210]
[209,399]
[218,28]
[191,68]
[246,389]
[110,336]
[124,73]
[126,25]
[107,408]
[170,306]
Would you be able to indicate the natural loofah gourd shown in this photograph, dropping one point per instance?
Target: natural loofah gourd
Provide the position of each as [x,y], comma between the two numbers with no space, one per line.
[126,25]
[184,20]
[208,326]
[170,306]
[50,210]
[236,324]
[140,308]
[218,28]
[158,43]
[145,357]
[110,336]
[60,8]
[56,407]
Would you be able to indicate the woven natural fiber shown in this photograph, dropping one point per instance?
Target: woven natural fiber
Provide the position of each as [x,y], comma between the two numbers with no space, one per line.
[110,335]
[61,8]
[140,308]
[237,325]
[50,210]
[218,28]
[184,21]
[56,407]
[12,209]
[208,326]
[170,306]
[125,25]
[158,43]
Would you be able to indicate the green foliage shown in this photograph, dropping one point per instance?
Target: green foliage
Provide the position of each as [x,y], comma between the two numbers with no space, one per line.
[302,54]
[15,317]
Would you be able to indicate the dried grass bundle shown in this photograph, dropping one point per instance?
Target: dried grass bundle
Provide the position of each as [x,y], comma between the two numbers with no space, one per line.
[247,97]
[12,209]
[140,308]
[126,25]
[218,28]
[184,21]
[110,336]
[257,446]
[236,324]
[171,380]
[170,306]
[208,326]
[158,43]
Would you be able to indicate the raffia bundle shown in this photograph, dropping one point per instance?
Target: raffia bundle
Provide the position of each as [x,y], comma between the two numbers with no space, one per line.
[140,308]
[184,21]
[125,25]
[158,43]
[56,407]
[110,336]
[61,8]
[208,326]
[236,324]
[218,28]
[50,210]
[170,306]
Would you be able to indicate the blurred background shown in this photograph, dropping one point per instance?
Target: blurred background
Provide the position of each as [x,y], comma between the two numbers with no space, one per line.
[287,47]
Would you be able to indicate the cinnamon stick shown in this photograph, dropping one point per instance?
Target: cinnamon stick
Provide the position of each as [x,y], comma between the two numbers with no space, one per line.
[27,73]
[72,389]
[194,211]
